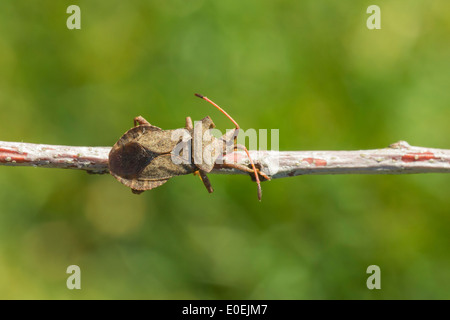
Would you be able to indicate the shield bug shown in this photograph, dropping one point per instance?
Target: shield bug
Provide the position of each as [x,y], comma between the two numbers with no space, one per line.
[146,156]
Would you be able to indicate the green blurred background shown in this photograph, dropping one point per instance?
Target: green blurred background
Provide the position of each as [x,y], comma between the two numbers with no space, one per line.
[309,68]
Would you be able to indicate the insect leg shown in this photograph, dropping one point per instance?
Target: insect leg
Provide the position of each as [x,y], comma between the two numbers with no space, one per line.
[244,168]
[141,121]
[258,183]
[205,180]
[189,125]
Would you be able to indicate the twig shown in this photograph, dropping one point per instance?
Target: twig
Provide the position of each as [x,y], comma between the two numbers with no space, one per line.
[398,158]
[91,159]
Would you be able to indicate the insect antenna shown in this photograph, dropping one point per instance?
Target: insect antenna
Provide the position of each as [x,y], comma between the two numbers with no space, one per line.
[235,142]
[221,110]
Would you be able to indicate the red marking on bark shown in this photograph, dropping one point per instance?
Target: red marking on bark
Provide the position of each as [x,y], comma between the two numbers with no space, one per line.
[9,151]
[316,162]
[412,157]
[66,155]
[12,158]
[11,155]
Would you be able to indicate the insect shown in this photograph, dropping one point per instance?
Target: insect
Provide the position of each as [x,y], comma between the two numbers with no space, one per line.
[146,156]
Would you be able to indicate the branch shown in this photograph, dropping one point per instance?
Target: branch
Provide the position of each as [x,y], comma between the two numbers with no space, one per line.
[91,159]
[398,158]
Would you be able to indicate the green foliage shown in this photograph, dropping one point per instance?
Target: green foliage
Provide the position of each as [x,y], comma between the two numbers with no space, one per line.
[309,68]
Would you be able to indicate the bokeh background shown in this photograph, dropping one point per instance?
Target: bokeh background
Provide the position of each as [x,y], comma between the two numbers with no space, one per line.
[309,68]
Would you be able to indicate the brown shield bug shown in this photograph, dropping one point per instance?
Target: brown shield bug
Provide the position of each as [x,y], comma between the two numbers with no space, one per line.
[146,156]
